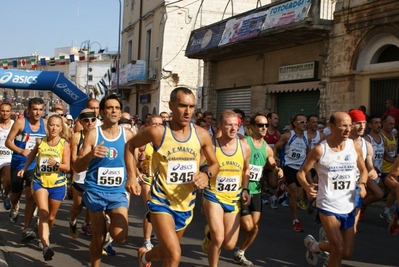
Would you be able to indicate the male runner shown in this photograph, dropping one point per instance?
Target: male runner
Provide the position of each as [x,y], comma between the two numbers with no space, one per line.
[177,151]
[261,153]
[105,193]
[5,153]
[336,160]
[21,140]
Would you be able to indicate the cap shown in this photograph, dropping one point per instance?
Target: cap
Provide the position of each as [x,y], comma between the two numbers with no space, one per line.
[286,127]
[357,115]
[69,117]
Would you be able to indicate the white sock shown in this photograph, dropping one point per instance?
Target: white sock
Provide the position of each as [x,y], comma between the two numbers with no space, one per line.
[146,241]
[240,252]
[386,210]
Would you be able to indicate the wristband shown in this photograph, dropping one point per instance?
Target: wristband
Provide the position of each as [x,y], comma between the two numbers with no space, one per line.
[363,183]
[245,189]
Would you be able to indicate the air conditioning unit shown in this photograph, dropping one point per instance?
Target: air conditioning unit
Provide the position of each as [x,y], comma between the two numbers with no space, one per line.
[152,74]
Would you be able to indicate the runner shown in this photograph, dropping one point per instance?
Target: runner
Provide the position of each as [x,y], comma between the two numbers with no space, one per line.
[5,153]
[261,153]
[145,167]
[336,161]
[392,181]
[87,119]
[102,156]
[221,199]
[295,147]
[92,104]
[21,140]
[177,147]
[49,183]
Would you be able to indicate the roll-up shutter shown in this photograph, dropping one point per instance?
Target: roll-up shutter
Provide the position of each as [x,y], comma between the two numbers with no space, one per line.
[289,104]
[233,98]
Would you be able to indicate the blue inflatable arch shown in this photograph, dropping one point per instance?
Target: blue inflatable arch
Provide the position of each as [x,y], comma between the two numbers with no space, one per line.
[54,81]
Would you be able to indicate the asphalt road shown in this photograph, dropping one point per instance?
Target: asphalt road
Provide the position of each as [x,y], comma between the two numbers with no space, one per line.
[276,244]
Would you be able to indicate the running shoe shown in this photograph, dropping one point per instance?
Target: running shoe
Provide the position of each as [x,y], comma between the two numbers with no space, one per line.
[109,251]
[206,240]
[140,253]
[73,231]
[264,200]
[48,254]
[361,216]
[297,227]
[394,225]
[86,229]
[240,259]
[302,205]
[387,216]
[27,235]
[323,238]
[311,256]
[325,264]
[284,200]
[273,202]
[7,203]
[13,215]
[148,245]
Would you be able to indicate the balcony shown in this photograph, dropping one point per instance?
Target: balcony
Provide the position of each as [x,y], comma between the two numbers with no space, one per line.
[138,73]
[276,26]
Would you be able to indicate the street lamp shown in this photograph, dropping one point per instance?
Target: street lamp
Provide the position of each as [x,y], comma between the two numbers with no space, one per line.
[119,48]
[86,46]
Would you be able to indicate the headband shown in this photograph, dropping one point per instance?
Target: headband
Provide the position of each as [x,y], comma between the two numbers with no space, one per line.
[87,115]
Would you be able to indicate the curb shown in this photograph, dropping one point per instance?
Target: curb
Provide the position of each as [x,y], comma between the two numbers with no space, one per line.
[3,262]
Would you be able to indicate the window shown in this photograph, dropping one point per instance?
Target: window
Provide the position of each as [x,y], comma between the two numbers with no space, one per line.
[157,52]
[129,51]
[131,5]
[90,77]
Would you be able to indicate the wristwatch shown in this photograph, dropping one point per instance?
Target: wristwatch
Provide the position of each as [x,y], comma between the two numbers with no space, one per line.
[209,174]
[57,164]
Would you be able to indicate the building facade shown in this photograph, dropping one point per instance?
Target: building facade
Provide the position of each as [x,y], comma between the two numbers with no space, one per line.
[337,56]
[154,37]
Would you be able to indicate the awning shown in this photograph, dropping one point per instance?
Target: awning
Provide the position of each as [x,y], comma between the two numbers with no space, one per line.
[293,87]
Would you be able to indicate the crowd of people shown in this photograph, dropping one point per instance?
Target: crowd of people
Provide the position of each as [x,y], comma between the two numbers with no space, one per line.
[333,172]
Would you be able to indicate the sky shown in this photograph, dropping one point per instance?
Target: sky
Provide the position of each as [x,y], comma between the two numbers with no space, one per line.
[30,26]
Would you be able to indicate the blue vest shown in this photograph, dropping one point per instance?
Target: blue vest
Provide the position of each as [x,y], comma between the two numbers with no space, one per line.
[108,174]
[27,137]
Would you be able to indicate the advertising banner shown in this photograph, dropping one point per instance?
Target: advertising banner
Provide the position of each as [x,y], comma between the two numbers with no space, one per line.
[287,13]
[207,38]
[54,81]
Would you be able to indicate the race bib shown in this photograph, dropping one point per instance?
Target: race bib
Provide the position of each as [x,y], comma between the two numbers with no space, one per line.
[5,152]
[340,181]
[255,172]
[227,183]
[296,153]
[181,172]
[30,144]
[110,176]
[45,167]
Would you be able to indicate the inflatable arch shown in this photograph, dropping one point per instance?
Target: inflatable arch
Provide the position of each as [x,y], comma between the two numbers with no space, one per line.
[53,81]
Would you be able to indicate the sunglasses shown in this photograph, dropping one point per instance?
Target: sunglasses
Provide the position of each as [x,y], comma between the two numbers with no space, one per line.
[303,122]
[87,120]
[261,125]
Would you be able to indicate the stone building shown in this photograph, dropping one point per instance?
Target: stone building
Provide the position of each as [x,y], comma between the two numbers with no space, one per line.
[309,56]
[154,38]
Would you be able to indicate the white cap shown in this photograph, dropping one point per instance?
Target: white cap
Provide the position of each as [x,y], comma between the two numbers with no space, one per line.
[69,117]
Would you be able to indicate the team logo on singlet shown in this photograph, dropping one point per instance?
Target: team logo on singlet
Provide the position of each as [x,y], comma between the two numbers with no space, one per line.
[256,156]
[112,153]
[348,157]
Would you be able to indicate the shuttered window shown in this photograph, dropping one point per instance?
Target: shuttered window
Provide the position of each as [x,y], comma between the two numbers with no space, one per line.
[233,98]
